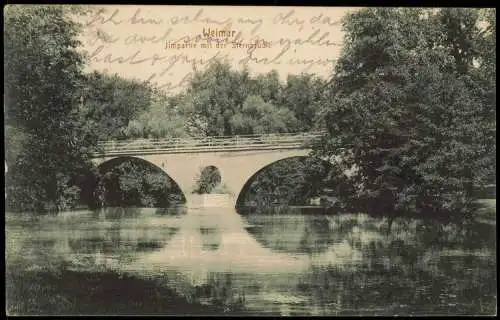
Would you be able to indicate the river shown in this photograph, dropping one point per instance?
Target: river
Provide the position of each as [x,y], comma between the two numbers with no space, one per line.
[278,261]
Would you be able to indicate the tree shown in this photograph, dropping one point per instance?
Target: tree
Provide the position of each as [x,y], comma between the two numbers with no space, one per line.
[268,87]
[163,119]
[259,117]
[209,178]
[485,80]
[43,76]
[14,139]
[301,95]
[213,97]
[221,101]
[405,110]
[110,103]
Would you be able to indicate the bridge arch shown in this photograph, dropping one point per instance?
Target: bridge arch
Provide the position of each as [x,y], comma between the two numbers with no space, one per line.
[236,168]
[108,164]
[250,179]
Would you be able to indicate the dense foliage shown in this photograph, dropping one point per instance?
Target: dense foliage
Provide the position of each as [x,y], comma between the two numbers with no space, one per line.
[162,119]
[136,183]
[110,103]
[47,141]
[412,108]
[292,181]
[209,178]
[221,101]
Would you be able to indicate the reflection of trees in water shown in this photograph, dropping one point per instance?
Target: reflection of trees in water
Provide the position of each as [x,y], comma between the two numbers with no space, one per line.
[316,236]
[221,292]
[117,233]
[119,240]
[175,210]
[473,235]
[30,252]
[405,236]
[419,266]
[292,233]
[408,242]
[459,287]
[119,212]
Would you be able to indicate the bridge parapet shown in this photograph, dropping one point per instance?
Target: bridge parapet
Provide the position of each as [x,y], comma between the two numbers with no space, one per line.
[209,144]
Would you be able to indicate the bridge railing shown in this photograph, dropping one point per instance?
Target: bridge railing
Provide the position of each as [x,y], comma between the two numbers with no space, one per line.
[284,140]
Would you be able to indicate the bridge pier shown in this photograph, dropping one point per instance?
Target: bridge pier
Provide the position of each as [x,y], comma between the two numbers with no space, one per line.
[194,201]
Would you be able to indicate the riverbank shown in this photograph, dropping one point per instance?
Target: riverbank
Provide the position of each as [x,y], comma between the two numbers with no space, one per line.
[39,292]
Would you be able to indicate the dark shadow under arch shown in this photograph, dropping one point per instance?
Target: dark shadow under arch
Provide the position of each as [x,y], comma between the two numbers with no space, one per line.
[283,177]
[146,167]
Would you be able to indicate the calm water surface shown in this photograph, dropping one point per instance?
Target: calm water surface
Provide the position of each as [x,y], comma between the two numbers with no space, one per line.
[288,261]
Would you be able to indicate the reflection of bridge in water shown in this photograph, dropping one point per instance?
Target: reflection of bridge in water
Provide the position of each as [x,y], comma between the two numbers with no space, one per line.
[211,240]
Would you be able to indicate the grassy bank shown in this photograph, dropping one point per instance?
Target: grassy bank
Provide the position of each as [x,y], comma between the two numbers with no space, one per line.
[38,292]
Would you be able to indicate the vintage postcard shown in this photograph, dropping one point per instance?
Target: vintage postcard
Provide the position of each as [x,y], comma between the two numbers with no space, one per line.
[244,160]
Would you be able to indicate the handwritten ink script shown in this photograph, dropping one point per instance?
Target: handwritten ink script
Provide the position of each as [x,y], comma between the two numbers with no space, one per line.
[164,45]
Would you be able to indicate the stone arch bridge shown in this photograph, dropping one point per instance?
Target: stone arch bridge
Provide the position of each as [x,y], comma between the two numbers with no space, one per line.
[238,158]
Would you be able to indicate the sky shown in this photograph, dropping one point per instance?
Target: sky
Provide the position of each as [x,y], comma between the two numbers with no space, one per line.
[163,44]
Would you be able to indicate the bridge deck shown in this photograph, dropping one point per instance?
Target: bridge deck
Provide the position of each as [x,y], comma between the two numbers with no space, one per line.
[208,144]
